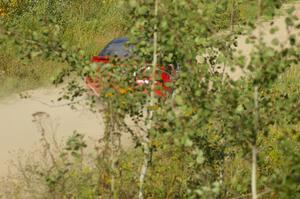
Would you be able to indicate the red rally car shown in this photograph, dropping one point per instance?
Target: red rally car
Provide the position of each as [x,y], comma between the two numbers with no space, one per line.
[118,48]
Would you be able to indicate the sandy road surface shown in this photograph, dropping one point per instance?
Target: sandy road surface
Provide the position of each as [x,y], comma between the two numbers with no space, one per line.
[18,131]
[263,32]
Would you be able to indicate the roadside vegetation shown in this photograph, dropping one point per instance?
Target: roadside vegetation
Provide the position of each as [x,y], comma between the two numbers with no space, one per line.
[87,25]
[212,138]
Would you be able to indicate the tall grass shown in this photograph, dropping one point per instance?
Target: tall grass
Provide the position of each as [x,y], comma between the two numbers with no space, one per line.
[91,24]
[17,76]
[87,25]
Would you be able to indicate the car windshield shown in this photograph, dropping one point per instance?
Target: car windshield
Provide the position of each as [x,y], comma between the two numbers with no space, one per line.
[117,47]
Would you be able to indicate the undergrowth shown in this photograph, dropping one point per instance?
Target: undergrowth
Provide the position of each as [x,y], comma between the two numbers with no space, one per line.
[87,25]
[183,163]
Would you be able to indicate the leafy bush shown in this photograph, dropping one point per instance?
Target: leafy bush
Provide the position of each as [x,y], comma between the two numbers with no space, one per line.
[212,138]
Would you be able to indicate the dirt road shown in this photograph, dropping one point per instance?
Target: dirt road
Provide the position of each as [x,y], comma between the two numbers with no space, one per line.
[263,31]
[18,131]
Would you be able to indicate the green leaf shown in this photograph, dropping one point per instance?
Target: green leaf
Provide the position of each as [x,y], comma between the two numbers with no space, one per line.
[200,157]
[179,100]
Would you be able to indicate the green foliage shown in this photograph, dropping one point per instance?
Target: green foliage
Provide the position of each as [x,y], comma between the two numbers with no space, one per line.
[87,25]
[200,136]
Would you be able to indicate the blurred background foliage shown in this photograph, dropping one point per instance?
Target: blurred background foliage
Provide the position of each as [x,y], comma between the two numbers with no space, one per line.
[88,25]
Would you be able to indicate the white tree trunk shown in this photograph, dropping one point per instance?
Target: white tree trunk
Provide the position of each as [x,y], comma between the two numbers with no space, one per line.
[145,140]
[253,176]
[144,168]
[254,148]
